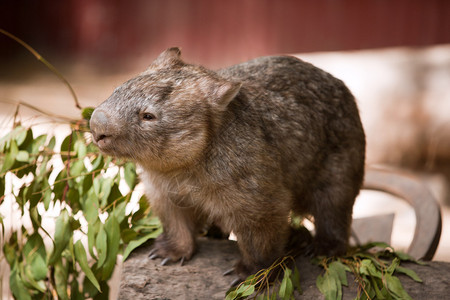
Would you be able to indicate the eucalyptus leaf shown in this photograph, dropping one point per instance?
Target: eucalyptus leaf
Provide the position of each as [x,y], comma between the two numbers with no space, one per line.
[130,174]
[138,242]
[395,286]
[296,279]
[80,148]
[22,156]
[61,279]
[35,255]
[327,286]
[80,255]
[339,269]
[93,228]
[10,157]
[62,236]
[286,287]
[17,286]
[409,273]
[87,113]
[101,246]
[2,187]
[112,229]
[38,143]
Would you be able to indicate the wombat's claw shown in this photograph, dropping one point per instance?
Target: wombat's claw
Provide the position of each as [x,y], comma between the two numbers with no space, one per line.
[165,261]
[182,261]
[235,282]
[228,272]
[153,254]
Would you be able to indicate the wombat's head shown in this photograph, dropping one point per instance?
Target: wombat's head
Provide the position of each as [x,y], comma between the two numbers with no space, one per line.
[163,118]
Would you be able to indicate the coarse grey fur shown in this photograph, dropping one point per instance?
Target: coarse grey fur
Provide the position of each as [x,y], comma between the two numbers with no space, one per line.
[240,148]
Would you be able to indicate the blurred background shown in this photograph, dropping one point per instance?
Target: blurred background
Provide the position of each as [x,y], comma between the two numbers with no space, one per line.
[394,56]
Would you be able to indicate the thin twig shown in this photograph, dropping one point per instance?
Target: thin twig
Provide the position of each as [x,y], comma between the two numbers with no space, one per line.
[46,113]
[46,63]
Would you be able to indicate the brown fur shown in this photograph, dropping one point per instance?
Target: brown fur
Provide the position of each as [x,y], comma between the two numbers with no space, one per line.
[241,148]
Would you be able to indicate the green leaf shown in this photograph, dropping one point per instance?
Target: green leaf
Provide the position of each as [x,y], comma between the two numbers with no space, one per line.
[21,136]
[77,168]
[17,286]
[91,207]
[9,249]
[246,290]
[286,287]
[101,245]
[51,144]
[105,190]
[61,278]
[339,268]
[87,112]
[394,285]
[87,183]
[28,278]
[35,255]
[98,163]
[395,263]
[80,148]
[130,175]
[296,280]
[406,257]
[231,295]
[60,184]
[73,198]
[69,142]
[2,187]
[81,258]
[27,142]
[62,236]
[112,229]
[128,235]
[368,268]
[93,228]
[327,286]
[22,156]
[114,194]
[409,273]
[38,143]
[136,243]
[10,157]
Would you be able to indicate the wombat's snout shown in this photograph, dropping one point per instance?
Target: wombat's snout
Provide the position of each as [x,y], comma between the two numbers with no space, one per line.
[101,128]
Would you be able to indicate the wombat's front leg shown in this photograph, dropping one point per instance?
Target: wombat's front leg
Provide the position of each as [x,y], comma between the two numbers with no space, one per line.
[177,242]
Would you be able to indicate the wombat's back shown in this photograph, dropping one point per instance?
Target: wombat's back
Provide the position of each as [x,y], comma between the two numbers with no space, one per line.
[305,113]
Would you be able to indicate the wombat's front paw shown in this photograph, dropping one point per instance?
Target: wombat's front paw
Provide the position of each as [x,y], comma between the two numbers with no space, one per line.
[171,251]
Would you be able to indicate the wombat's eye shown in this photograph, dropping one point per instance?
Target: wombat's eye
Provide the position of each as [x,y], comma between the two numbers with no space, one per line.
[147,116]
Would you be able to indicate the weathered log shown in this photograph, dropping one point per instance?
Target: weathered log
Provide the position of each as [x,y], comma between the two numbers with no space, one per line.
[202,277]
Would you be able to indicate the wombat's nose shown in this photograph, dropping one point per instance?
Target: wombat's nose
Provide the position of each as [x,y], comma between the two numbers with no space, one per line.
[99,125]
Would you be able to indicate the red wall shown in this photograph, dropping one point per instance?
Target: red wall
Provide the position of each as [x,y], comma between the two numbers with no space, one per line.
[219,32]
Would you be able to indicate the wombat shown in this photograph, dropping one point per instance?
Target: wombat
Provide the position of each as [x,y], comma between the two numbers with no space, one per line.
[241,148]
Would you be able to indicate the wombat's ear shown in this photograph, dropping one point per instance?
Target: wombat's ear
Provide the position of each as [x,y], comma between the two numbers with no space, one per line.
[168,58]
[224,93]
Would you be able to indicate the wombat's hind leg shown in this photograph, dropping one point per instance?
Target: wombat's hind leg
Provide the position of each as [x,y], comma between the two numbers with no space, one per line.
[260,246]
[332,211]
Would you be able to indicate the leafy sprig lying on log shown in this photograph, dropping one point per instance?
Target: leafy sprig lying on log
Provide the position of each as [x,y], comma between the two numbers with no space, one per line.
[374,267]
